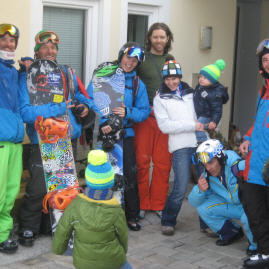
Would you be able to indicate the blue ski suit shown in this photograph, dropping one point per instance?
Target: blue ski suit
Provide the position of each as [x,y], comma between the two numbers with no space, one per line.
[220,203]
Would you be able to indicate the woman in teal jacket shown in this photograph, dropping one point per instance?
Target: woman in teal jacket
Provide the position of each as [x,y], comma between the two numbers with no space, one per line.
[216,196]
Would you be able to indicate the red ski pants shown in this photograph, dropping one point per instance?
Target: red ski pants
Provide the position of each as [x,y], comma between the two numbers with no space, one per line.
[152,145]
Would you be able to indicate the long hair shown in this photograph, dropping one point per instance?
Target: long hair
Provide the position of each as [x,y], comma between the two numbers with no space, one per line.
[160,26]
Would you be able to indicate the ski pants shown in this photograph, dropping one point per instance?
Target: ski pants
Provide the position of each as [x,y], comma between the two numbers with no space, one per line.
[152,145]
[10,178]
[218,215]
[255,200]
[131,196]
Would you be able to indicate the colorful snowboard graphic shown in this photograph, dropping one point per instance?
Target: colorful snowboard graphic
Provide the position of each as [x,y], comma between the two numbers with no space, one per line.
[108,92]
[45,85]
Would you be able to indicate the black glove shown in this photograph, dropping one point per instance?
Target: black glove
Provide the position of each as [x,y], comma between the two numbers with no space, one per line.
[265,172]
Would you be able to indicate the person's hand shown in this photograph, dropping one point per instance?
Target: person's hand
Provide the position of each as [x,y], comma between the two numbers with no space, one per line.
[120,111]
[106,129]
[85,111]
[25,64]
[203,184]
[199,126]
[244,147]
[67,102]
[212,125]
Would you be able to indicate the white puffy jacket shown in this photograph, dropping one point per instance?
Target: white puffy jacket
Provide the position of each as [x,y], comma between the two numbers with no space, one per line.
[176,116]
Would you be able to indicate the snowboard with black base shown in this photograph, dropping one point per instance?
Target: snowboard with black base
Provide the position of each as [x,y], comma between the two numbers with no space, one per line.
[46,84]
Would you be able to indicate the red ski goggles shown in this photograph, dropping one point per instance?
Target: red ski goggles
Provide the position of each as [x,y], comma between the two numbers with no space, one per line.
[10,29]
[47,36]
[135,52]
[262,45]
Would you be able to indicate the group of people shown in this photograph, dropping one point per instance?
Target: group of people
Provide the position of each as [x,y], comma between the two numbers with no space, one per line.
[164,123]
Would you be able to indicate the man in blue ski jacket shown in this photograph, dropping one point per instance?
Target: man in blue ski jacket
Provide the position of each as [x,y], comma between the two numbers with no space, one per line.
[32,220]
[11,134]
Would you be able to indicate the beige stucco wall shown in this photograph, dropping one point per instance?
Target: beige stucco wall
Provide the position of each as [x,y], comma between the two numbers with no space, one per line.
[264,20]
[186,19]
[18,12]
[115,29]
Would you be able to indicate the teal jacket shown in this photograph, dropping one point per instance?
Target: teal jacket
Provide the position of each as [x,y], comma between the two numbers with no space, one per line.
[101,234]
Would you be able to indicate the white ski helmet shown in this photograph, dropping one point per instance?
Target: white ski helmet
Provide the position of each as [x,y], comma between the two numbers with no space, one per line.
[210,149]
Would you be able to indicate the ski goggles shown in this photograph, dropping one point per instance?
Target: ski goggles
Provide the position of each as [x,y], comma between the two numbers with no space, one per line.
[135,52]
[204,157]
[262,45]
[47,36]
[10,29]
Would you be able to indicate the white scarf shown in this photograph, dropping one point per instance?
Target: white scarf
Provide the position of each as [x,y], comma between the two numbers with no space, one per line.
[7,55]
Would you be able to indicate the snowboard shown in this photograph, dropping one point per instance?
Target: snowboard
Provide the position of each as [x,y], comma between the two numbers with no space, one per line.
[108,92]
[45,83]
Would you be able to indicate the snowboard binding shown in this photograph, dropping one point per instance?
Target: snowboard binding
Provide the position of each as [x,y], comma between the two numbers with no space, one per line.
[117,133]
[60,199]
[51,129]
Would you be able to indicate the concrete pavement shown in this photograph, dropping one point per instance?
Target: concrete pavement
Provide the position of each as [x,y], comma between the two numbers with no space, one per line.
[148,248]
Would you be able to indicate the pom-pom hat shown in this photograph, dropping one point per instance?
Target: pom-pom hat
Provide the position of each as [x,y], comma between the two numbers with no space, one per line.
[99,175]
[171,69]
[212,72]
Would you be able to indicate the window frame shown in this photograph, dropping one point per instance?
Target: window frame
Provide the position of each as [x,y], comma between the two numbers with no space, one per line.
[156,10]
[96,34]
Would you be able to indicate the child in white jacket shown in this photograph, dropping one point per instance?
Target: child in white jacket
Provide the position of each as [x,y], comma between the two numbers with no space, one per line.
[175,114]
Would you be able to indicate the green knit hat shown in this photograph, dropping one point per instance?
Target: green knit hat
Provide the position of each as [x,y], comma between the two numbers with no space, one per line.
[212,71]
[46,36]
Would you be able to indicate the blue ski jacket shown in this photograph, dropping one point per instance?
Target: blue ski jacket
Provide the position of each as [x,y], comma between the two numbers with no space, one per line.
[137,105]
[11,127]
[30,113]
[258,136]
[217,186]
[208,101]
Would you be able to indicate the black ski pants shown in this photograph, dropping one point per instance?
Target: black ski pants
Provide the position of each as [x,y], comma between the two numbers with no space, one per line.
[131,197]
[255,200]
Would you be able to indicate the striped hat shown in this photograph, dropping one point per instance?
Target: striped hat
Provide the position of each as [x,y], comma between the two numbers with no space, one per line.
[99,175]
[171,69]
[212,71]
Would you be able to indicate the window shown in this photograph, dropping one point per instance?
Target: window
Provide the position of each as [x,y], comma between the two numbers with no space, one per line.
[137,28]
[69,25]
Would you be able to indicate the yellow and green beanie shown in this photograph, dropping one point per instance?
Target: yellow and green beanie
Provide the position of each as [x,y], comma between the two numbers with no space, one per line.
[99,174]
[212,72]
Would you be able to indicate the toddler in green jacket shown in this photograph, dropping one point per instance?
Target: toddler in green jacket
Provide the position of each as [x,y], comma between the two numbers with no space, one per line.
[99,223]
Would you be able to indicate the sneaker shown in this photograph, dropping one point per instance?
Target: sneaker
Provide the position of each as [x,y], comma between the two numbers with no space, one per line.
[142,214]
[257,261]
[27,238]
[159,213]
[9,246]
[227,242]
[168,230]
[208,232]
